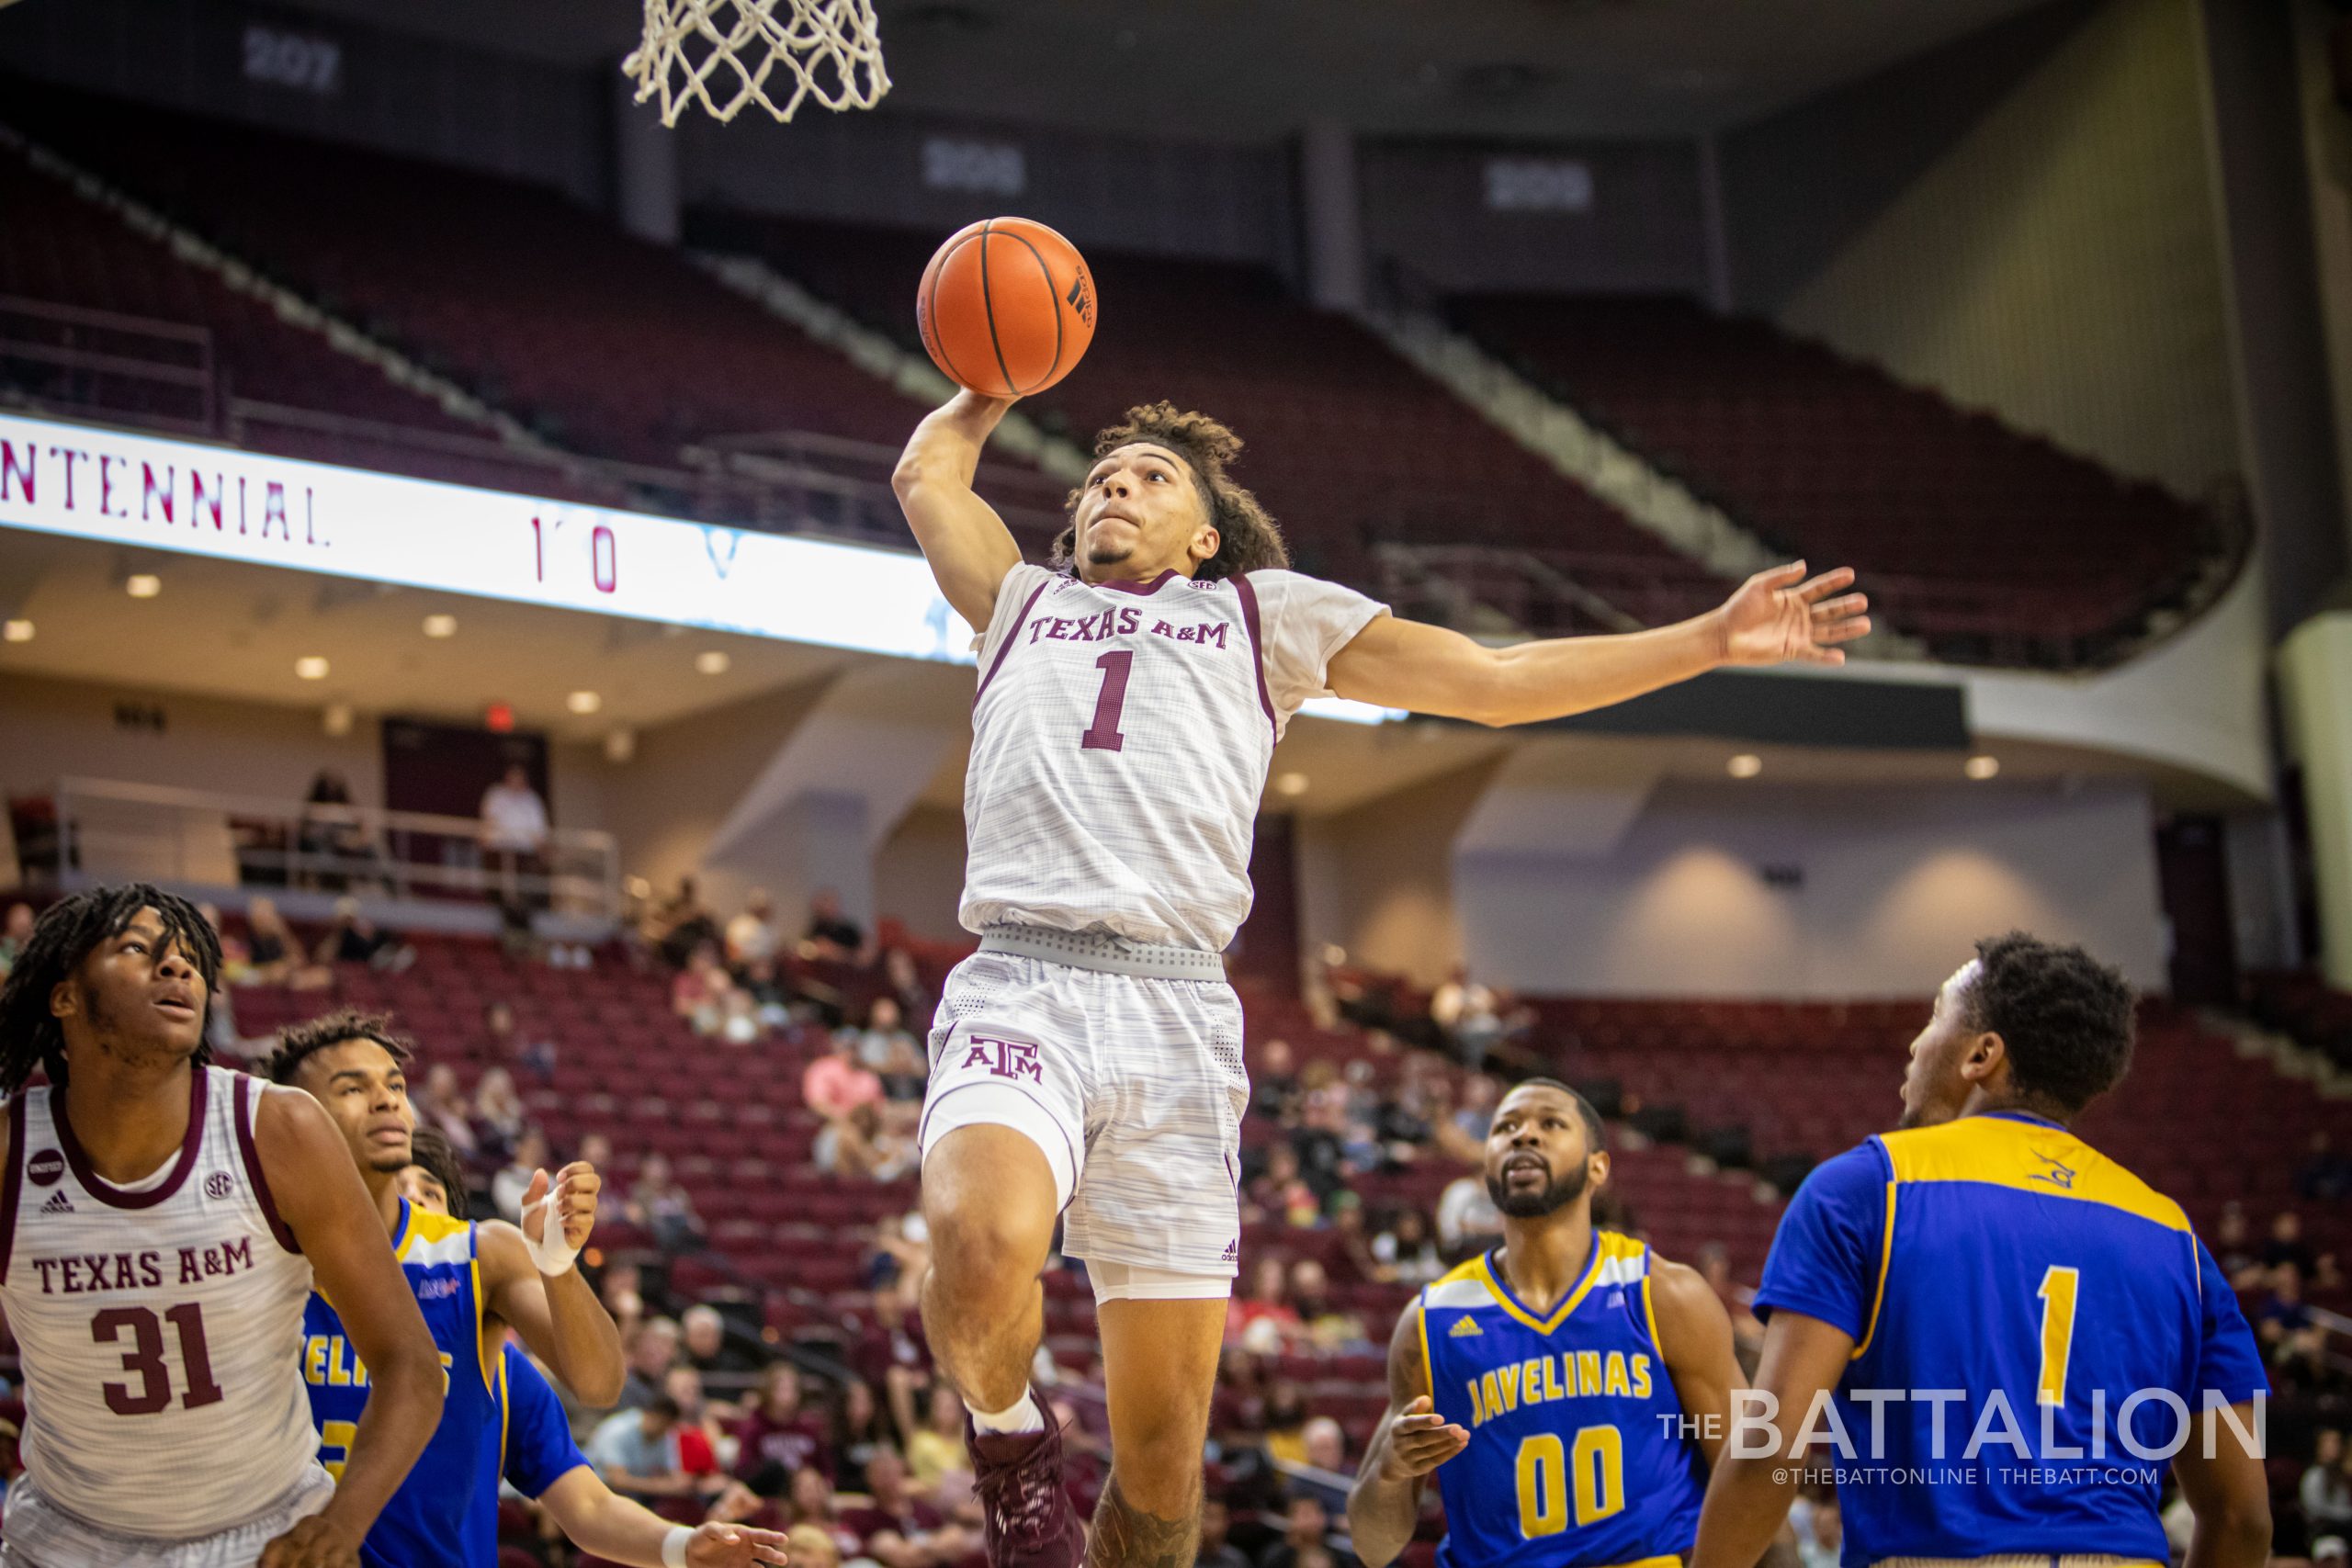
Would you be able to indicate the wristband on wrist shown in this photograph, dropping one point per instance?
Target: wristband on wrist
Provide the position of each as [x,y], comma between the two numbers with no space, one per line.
[673,1546]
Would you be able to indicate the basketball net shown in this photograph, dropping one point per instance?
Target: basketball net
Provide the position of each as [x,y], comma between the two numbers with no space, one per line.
[725,54]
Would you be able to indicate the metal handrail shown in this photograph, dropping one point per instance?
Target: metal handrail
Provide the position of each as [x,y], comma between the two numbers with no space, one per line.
[333,844]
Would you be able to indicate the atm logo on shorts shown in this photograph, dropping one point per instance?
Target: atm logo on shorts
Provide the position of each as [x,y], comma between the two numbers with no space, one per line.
[1005,1058]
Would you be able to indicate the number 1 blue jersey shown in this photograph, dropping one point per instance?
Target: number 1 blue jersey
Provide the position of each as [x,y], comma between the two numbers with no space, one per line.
[2024,1311]
[1575,1457]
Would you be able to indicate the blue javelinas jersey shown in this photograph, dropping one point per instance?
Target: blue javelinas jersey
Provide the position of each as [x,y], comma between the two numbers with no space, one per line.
[1576,1458]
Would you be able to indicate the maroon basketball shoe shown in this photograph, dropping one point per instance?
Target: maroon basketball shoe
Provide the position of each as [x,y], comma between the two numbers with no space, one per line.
[1027,1521]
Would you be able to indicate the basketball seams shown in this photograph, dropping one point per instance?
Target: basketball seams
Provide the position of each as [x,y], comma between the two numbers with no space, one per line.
[1052,293]
[936,341]
[988,309]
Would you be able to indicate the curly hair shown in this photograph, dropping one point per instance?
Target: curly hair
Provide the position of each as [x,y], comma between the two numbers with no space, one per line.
[72,927]
[297,1043]
[2065,1017]
[434,1152]
[1248,539]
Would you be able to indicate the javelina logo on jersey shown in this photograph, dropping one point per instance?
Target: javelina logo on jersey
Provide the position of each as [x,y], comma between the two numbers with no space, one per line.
[1005,1058]
[45,1168]
[218,1185]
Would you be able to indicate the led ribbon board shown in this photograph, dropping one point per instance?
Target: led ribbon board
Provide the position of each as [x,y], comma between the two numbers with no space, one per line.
[153,493]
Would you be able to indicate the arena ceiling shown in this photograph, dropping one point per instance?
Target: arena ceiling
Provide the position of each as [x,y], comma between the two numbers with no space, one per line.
[1251,70]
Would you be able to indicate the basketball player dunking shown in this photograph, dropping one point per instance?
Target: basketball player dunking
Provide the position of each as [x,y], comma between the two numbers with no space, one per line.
[1087,1061]
[161,1224]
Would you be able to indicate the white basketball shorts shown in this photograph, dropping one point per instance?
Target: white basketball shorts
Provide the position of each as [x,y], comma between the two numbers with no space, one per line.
[1131,1086]
[43,1534]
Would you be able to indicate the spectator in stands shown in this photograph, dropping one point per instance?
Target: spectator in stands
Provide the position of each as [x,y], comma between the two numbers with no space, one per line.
[2286,1245]
[697,1430]
[504,1041]
[1307,1528]
[1354,1261]
[1217,1548]
[352,938]
[1261,1319]
[500,1119]
[859,1144]
[619,1290]
[835,1084]
[860,1428]
[1464,1136]
[1274,1086]
[441,1105]
[331,830]
[699,993]
[739,1018]
[2233,1250]
[900,1251]
[935,1452]
[681,924]
[2291,1337]
[778,1437]
[513,837]
[2326,1490]
[652,1351]
[1467,1220]
[1325,1329]
[636,1451]
[811,1503]
[901,972]
[657,1203]
[893,1356]
[1470,1014]
[832,935]
[704,1344]
[276,954]
[752,935]
[771,998]
[1280,1192]
[14,932]
[896,1528]
[1406,1251]
[513,1178]
[1327,1450]
[885,1031]
[808,1547]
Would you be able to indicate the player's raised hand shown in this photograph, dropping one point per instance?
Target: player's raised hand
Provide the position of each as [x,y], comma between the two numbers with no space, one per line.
[1420,1440]
[311,1543]
[574,1200]
[734,1546]
[1779,616]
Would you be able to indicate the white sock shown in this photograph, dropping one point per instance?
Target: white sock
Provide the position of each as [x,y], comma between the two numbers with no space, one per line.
[1021,1417]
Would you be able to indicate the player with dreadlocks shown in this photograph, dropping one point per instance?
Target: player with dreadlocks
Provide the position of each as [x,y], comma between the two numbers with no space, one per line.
[162,1222]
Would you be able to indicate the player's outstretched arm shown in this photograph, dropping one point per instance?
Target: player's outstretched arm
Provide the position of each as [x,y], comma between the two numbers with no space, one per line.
[602,1523]
[1411,1440]
[2227,1493]
[1775,617]
[1750,1494]
[1694,1336]
[319,1196]
[542,1296]
[967,544]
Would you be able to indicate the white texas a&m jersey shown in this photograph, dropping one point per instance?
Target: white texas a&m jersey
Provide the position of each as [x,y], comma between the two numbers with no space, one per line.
[160,1324]
[1120,743]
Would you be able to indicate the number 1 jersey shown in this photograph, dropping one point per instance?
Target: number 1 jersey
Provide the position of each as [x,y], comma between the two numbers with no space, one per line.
[159,1323]
[1121,737]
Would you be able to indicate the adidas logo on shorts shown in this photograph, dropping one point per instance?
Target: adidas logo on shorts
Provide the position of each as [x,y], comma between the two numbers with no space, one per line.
[1233,1250]
[58,1204]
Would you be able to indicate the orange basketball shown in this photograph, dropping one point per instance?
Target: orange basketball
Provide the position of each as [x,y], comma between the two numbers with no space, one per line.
[1007,308]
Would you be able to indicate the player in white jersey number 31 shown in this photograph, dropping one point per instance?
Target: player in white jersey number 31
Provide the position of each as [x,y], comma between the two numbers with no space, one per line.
[1088,1058]
[161,1224]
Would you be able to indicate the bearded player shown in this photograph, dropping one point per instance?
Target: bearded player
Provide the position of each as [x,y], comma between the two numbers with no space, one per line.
[162,1223]
[1086,1063]
[1569,1388]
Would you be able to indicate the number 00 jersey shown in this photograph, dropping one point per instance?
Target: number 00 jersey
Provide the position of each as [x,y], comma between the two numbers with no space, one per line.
[446,1511]
[2001,1256]
[1576,1455]
[1120,741]
[159,1323]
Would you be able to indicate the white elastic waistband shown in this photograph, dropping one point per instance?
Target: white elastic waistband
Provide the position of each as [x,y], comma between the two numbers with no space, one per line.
[1101,950]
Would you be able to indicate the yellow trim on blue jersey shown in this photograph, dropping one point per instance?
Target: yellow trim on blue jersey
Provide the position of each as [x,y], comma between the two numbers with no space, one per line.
[1429,1368]
[1649,1312]
[1886,1261]
[484,1354]
[506,1409]
[423,1230]
[2030,1156]
[1608,1246]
